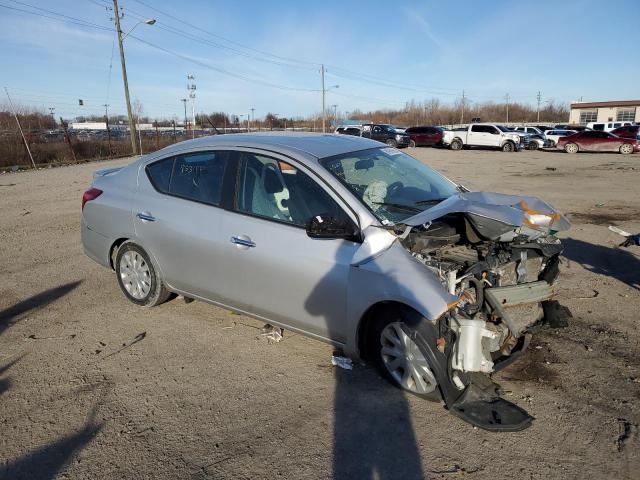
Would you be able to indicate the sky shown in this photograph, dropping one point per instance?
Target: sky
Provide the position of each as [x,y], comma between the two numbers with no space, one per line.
[266,55]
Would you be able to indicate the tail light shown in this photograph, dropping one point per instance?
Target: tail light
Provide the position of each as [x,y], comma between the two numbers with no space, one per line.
[89,195]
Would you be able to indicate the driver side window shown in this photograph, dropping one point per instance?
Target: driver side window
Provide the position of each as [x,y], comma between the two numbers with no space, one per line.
[277,190]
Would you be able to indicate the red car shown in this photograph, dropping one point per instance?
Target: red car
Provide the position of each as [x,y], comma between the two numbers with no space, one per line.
[424,136]
[596,141]
[628,131]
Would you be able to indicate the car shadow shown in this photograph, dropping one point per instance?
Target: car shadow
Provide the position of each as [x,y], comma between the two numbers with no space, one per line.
[613,262]
[373,435]
[5,383]
[17,312]
[47,461]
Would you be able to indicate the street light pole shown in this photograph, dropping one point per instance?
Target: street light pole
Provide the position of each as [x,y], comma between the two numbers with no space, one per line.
[132,125]
[184,101]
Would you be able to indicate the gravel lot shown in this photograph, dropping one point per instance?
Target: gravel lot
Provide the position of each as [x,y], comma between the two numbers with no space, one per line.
[92,386]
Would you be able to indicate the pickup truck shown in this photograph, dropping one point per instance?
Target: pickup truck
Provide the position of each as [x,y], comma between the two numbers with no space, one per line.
[485,135]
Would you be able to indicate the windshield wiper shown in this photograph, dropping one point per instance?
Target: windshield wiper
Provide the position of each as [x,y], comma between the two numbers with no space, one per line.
[430,201]
[399,206]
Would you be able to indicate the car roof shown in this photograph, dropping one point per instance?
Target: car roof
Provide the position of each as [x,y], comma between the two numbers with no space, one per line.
[318,145]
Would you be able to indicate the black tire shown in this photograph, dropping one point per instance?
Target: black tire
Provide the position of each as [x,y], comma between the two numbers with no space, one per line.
[508,147]
[412,321]
[456,145]
[157,294]
[533,146]
[412,144]
[392,143]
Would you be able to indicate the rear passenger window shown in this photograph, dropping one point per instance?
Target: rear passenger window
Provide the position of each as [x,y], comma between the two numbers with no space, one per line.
[193,176]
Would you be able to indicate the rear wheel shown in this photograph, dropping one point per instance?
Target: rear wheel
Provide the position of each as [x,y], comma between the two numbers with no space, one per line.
[456,145]
[412,144]
[571,148]
[392,143]
[398,358]
[137,277]
[626,148]
[508,147]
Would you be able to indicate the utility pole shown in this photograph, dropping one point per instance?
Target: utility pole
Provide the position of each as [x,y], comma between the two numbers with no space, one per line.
[538,97]
[335,114]
[323,94]
[184,101]
[462,109]
[52,111]
[24,139]
[106,122]
[506,97]
[191,87]
[132,125]
[253,116]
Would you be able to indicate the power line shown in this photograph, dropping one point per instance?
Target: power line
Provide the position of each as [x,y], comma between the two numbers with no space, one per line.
[77,21]
[293,60]
[221,70]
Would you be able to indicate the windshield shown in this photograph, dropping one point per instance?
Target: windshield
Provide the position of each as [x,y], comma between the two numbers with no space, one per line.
[502,128]
[389,128]
[394,186]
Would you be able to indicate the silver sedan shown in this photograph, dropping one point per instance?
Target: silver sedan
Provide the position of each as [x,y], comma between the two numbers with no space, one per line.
[340,238]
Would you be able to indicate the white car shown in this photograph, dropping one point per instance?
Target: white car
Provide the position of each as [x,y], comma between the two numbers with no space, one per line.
[530,130]
[554,135]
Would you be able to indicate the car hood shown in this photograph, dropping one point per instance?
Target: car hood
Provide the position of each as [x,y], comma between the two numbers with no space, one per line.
[512,211]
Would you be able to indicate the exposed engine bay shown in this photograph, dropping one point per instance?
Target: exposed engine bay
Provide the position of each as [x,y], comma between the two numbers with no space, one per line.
[501,285]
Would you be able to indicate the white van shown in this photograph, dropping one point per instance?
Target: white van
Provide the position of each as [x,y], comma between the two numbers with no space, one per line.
[607,126]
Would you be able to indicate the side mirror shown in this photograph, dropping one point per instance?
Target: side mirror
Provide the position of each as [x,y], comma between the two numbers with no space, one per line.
[324,226]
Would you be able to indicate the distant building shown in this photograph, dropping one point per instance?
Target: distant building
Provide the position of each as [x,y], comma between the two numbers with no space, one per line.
[614,111]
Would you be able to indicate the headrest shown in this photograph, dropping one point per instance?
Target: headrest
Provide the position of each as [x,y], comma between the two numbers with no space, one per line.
[272,183]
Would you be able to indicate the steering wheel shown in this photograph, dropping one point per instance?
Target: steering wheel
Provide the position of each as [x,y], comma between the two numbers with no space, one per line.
[393,188]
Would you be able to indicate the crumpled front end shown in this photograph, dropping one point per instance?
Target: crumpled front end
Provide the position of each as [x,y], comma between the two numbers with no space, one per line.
[499,256]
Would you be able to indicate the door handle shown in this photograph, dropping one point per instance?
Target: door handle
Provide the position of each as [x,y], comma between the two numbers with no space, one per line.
[243,242]
[146,217]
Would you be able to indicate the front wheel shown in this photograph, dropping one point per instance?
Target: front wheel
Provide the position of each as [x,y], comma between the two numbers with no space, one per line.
[392,143]
[398,357]
[508,147]
[532,146]
[626,148]
[571,148]
[137,277]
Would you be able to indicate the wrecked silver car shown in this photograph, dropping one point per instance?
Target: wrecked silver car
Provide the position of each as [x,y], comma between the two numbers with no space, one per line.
[346,241]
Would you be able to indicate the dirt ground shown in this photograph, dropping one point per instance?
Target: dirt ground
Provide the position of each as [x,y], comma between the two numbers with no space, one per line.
[92,386]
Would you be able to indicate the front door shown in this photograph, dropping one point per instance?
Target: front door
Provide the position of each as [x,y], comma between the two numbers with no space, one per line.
[273,269]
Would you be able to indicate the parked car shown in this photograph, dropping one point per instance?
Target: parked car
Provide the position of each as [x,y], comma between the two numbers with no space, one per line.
[485,135]
[530,130]
[594,141]
[385,133]
[351,130]
[373,252]
[577,128]
[536,141]
[554,135]
[424,136]
[607,126]
[629,131]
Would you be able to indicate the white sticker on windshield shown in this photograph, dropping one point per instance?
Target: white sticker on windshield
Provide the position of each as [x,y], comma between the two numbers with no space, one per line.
[391,151]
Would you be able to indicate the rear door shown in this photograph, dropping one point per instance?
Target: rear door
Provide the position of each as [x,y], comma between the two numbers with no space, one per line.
[177,215]
[272,268]
[478,135]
